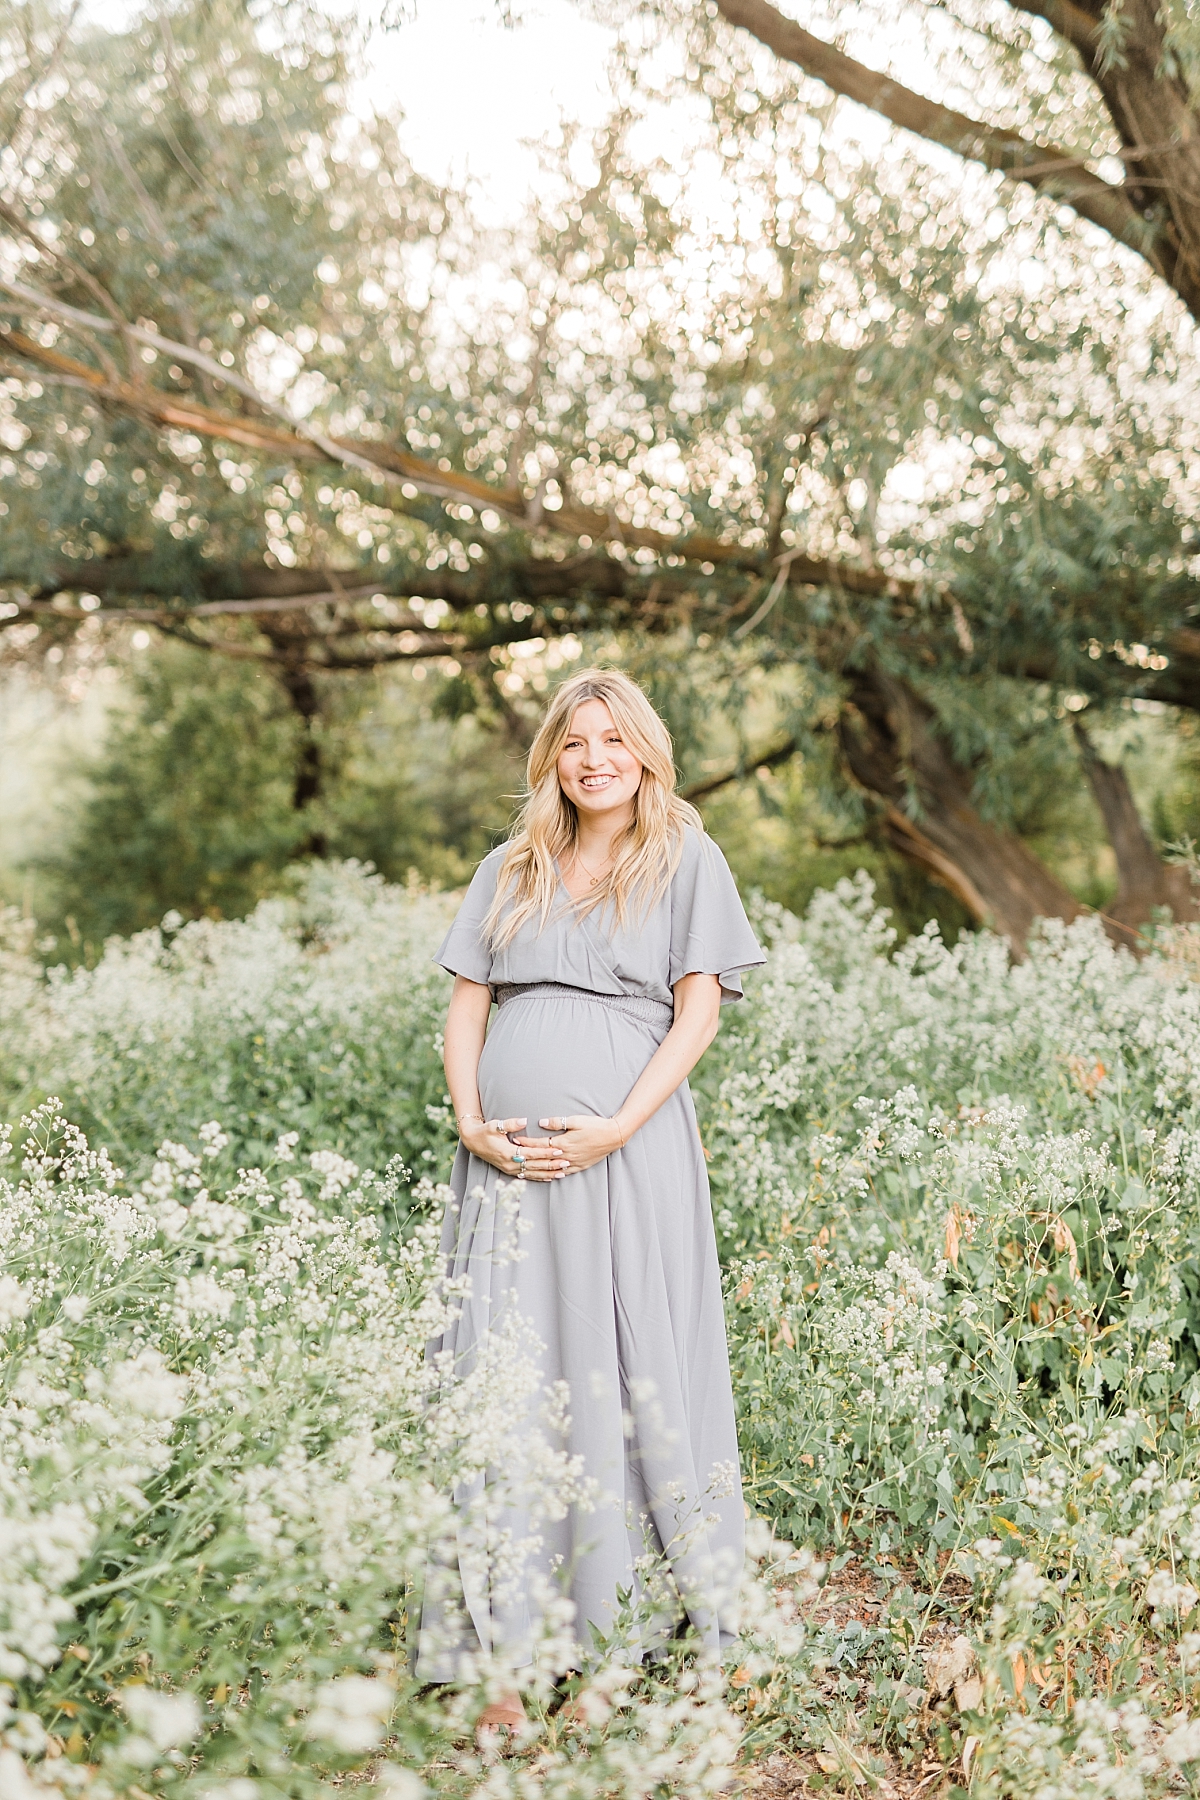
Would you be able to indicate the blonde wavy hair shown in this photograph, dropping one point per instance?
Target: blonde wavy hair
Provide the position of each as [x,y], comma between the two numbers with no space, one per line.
[546,831]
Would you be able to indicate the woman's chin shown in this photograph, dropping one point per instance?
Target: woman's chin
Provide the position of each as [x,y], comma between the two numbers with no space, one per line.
[602,804]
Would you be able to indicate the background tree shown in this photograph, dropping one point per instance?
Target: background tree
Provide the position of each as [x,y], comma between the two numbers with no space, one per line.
[1125,81]
[189,808]
[1033,83]
[158,832]
[940,510]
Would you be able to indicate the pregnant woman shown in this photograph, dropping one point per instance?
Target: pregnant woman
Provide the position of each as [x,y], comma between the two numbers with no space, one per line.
[608,931]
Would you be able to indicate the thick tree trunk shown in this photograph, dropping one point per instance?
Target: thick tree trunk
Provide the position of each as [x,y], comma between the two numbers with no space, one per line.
[1144,882]
[891,746]
[301,691]
[1149,102]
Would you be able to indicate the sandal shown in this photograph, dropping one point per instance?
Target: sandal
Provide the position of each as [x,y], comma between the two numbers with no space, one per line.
[508,1716]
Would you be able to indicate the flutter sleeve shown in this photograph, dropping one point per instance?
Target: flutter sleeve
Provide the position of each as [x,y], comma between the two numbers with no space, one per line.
[710,933]
[464,949]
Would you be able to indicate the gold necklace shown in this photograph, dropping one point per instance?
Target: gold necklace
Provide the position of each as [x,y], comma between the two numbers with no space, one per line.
[594,879]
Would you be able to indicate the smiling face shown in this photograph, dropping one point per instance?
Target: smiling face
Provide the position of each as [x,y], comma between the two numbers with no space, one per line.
[596,771]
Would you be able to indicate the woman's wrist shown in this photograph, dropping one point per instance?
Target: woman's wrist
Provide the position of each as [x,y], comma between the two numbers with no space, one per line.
[622,1130]
[470,1118]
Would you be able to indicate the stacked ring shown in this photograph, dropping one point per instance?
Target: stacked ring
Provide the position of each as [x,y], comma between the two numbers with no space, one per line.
[518,1157]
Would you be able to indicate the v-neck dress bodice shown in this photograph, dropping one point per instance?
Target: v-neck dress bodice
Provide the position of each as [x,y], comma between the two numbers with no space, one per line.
[699,927]
[614,1269]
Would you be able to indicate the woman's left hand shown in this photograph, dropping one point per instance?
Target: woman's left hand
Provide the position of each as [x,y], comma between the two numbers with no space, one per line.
[582,1140]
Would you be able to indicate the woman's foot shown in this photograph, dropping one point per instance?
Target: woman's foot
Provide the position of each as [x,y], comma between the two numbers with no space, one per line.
[506,1715]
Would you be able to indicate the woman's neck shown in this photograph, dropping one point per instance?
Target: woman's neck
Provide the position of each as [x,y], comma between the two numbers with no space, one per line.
[596,840]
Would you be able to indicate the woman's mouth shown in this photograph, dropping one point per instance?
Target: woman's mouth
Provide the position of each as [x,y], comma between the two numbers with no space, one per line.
[593,782]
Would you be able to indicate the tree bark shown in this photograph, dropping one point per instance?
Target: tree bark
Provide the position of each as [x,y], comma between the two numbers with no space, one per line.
[301,690]
[1144,882]
[1156,210]
[1153,111]
[890,744]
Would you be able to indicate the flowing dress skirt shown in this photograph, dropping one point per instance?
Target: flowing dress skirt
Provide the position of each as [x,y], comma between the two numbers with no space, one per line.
[616,1271]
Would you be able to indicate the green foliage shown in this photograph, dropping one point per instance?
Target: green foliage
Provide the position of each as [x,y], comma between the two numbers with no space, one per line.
[417,789]
[876,366]
[319,1015]
[190,807]
[959,1209]
[233,1464]
[187,807]
[203,176]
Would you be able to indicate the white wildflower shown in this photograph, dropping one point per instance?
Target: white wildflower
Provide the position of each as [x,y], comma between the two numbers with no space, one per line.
[722,1480]
[168,1720]
[351,1713]
[213,1138]
[1026,1586]
[16,1782]
[15,1301]
[338,1171]
[394,1783]
[202,1297]
[1183,1744]
[146,1386]
[26,1735]
[1164,1594]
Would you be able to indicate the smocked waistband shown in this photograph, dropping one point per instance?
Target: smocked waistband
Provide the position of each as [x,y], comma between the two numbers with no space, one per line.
[653,1012]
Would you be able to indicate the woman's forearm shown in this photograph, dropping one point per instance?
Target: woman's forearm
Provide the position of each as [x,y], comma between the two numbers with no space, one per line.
[466,1029]
[488,1139]
[582,1141]
[698,1005]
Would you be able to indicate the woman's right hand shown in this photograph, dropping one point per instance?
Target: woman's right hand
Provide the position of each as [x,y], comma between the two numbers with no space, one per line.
[536,1159]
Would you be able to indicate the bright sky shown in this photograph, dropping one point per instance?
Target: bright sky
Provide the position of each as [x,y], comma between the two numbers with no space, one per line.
[474,93]
[476,96]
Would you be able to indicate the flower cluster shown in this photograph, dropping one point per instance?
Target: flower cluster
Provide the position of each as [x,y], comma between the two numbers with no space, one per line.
[226,1468]
[959,1207]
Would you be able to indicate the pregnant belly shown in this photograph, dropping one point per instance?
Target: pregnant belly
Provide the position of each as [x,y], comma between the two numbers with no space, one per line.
[555,1055]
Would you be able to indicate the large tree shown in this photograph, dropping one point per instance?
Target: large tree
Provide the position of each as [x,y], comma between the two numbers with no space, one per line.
[269,393]
[1135,104]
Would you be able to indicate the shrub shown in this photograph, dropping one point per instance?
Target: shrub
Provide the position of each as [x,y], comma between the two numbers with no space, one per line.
[224,1461]
[959,1209]
[319,1014]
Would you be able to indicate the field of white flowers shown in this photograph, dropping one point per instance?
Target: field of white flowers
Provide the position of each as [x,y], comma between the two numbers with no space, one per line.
[959,1207]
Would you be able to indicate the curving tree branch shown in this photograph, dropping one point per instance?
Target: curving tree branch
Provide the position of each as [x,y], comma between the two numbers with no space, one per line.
[381,461]
[1156,210]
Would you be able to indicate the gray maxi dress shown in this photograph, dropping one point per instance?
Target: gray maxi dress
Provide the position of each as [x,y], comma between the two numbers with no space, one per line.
[615,1269]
